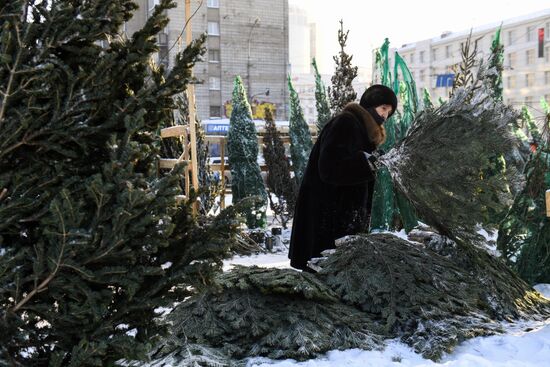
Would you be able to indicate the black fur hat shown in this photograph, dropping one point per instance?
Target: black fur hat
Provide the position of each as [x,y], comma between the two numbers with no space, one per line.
[377,95]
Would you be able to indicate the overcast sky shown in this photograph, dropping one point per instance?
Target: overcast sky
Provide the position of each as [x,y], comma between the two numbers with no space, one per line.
[402,21]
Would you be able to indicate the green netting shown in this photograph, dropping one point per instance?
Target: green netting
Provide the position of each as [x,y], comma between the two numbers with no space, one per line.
[497,61]
[389,206]
[411,102]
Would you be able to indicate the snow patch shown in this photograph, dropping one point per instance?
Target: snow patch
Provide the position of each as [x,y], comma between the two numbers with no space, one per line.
[543,289]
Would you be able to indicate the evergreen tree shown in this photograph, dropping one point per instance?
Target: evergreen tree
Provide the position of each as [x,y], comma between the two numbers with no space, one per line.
[279,182]
[427,99]
[496,62]
[524,234]
[321,102]
[342,91]
[242,149]
[92,242]
[300,137]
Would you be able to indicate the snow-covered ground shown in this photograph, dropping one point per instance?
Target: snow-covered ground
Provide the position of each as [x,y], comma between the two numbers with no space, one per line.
[523,345]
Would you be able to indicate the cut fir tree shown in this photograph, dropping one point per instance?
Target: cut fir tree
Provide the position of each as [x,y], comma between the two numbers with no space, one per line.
[281,187]
[92,242]
[242,149]
[300,137]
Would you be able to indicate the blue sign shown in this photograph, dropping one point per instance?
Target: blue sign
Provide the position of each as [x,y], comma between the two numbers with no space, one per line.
[220,129]
[445,80]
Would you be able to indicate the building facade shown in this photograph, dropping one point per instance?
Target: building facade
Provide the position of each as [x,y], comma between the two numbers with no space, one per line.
[246,38]
[526,75]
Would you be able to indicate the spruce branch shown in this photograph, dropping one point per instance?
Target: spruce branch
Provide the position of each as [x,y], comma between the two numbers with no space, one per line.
[58,263]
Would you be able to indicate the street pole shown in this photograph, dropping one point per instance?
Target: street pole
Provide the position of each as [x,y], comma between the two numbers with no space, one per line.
[248,65]
[191,99]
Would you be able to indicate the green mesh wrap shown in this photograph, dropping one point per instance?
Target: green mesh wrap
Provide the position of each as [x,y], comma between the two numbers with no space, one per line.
[391,208]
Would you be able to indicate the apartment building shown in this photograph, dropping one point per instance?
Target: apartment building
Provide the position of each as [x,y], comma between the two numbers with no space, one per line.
[526,75]
[245,37]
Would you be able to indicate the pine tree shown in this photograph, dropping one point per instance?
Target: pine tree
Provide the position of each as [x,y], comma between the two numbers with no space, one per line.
[242,149]
[300,137]
[279,182]
[342,91]
[321,102]
[92,242]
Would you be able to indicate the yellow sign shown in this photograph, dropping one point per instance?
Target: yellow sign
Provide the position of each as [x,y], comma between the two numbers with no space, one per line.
[258,109]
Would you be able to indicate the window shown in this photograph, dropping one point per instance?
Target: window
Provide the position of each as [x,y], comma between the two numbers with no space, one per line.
[547,77]
[214,55]
[213,3]
[511,36]
[162,39]
[511,81]
[151,5]
[214,83]
[530,33]
[215,111]
[422,75]
[448,51]
[164,56]
[412,58]
[529,79]
[512,60]
[422,56]
[434,54]
[547,54]
[213,28]
[530,57]
[528,101]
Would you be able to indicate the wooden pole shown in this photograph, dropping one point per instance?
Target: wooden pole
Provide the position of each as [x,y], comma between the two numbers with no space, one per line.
[222,171]
[191,99]
[548,203]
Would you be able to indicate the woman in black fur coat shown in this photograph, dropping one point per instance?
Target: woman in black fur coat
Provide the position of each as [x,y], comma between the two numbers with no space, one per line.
[335,196]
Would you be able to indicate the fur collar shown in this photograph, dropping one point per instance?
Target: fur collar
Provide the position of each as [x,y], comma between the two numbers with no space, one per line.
[377,133]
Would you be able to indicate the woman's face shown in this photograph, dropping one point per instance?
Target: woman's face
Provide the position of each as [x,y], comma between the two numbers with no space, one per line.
[384,110]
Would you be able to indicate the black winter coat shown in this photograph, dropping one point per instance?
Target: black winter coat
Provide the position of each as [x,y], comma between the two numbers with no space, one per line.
[335,196]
